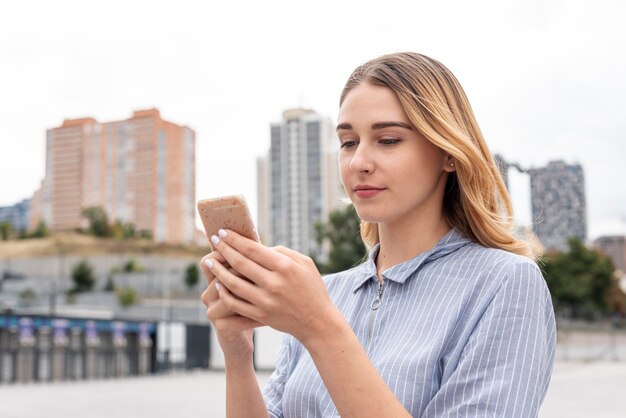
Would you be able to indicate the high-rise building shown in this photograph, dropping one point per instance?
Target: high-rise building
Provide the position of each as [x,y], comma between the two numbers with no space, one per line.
[613,247]
[140,170]
[298,182]
[264,226]
[16,215]
[558,203]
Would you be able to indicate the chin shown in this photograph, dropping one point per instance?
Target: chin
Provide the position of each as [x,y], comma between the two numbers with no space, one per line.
[371,215]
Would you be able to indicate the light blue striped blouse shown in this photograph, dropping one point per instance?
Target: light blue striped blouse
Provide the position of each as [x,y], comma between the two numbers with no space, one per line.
[460,331]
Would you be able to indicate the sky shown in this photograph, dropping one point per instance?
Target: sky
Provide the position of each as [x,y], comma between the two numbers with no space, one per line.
[545,78]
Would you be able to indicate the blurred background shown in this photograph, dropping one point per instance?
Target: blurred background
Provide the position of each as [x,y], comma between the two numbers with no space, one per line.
[116,117]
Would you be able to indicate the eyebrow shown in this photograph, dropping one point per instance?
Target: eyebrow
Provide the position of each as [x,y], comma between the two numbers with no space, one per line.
[378,125]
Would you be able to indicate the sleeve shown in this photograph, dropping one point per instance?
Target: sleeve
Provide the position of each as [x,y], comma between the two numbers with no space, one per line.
[505,367]
[285,362]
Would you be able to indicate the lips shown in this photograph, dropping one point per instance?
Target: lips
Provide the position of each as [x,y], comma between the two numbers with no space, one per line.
[367,191]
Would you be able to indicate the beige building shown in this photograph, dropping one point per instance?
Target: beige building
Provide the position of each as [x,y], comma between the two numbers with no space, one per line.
[140,170]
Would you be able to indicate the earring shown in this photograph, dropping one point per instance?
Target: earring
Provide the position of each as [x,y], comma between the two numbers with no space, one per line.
[451,164]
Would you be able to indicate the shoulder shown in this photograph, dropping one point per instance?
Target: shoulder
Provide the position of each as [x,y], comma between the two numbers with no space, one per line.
[500,287]
[515,279]
[497,261]
[492,272]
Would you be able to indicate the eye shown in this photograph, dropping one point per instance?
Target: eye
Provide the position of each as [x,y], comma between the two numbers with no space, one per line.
[389,141]
[349,143]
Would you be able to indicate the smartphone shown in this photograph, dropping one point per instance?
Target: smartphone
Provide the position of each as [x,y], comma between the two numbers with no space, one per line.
[228,212]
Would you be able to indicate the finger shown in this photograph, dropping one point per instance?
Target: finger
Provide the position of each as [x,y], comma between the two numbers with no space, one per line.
[248,267]
[214,255]
[205,297]
[239,286]
[219,310]
[215,308]
[236,323]
[209,275]
[239,306]
[211,256]
[209,295]
[293,254]
[258,253]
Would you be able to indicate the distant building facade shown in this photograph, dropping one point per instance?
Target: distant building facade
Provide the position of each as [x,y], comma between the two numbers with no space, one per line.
[16,215]
[503,167]
[140,170]
[298,182]
[559,208]
[264,204]
[613,247]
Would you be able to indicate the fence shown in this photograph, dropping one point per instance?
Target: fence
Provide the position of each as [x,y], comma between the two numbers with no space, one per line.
[49,349]
[594,341]
[43,349]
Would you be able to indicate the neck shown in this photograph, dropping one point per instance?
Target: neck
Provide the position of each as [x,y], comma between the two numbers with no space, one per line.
[404,239]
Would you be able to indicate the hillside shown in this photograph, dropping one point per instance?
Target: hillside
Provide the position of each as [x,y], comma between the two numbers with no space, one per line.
[73,243]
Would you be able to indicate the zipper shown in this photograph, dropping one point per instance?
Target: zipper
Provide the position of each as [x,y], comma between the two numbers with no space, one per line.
[372,316]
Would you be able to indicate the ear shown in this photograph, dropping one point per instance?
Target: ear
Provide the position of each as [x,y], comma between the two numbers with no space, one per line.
[449,164]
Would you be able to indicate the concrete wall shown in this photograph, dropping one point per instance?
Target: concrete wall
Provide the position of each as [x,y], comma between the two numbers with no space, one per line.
[161,275]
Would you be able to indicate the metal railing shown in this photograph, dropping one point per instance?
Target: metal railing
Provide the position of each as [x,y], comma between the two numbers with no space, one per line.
[591,341]
[46,349]
[50,352]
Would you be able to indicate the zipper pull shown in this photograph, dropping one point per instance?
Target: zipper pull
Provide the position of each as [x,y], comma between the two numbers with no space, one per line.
[377,301]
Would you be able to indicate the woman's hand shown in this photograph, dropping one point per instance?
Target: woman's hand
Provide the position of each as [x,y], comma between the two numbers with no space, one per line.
[234,332]
[283,288]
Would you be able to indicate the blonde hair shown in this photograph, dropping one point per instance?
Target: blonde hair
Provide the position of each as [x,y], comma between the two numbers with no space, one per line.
[476,201]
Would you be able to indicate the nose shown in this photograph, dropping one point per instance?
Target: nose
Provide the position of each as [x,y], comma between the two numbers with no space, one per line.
[362,161]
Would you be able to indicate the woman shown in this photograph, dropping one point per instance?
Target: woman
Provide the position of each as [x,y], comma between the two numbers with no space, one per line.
[449,316]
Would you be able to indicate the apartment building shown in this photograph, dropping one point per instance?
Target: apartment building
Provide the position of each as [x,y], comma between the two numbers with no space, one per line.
[141,170]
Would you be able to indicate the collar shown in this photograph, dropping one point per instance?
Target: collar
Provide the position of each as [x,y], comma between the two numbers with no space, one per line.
[450,242]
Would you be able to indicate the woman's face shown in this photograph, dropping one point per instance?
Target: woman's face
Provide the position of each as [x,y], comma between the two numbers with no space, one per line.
[390,171]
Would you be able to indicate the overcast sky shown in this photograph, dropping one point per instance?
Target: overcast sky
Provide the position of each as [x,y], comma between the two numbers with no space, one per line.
[545,78]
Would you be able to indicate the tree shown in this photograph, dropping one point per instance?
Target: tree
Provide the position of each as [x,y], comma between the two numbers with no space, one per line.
[98,221]
[6,230]
[41,231]
[342,231]
[132,266]
[121,230]
[117,230]
[28,295]
[83,277]
[579,279]
[109,286]
[126,296]
[100,226]
[145,234]
[192,276]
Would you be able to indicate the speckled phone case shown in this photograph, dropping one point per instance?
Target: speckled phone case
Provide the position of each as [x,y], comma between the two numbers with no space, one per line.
[228,212]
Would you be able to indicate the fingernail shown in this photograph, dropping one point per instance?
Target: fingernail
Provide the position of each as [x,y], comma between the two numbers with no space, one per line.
[208,263]
[215,240]
[222,233]
[218,286]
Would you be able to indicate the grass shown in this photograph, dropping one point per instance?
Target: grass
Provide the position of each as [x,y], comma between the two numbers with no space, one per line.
[75,243]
